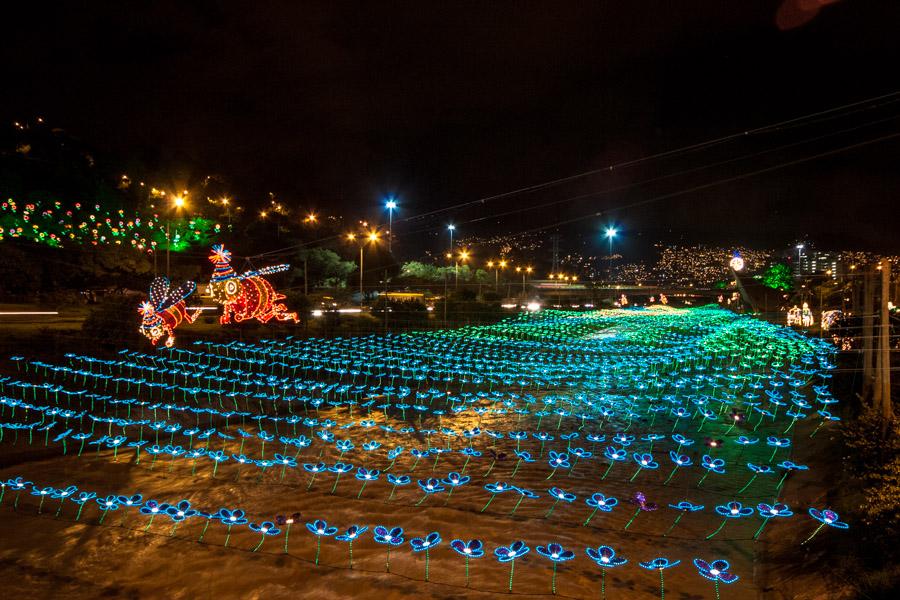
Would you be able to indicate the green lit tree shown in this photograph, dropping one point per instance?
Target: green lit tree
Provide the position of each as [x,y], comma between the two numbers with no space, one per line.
[778,277]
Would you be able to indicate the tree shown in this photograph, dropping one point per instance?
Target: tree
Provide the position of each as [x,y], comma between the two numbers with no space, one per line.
[322,267]
[778,277]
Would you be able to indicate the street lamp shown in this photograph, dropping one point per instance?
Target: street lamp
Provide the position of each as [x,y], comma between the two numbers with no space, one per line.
[370,238]
[524,272]
[390,205]
[496,266]
[463,257]
[799,255]
[177,204]
[610,233]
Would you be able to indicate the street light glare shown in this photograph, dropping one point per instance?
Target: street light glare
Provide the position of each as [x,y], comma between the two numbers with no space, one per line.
[611,232]
[351,236]
[373,236]
[391,204]
[451,227]
[178,201]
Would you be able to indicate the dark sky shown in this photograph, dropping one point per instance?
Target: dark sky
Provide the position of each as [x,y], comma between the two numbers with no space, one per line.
[334,104]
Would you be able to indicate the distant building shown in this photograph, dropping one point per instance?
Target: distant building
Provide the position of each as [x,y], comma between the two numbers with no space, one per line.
[817,262]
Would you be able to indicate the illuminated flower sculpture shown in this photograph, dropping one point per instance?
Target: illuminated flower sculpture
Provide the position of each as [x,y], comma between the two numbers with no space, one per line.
[510,554]
[715,571]
[165,310]
[640,500]
[643,461]
[470,549]
[557,495]
[684,507]
[390,537]
[353,532]
[230,518]
[660,564]
[246,296]
[606,558]
[731,510]
[266,528]
[598,501]
[826,517]
[557,554]
[320,528]
[425,544]
[770,511]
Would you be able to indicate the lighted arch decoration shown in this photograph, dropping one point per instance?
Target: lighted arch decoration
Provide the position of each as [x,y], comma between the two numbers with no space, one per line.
[246,296]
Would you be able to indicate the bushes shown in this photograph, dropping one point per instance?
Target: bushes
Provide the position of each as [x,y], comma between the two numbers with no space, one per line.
[115,321]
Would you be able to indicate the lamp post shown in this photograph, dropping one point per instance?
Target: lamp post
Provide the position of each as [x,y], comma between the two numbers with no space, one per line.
[371,237]
[610,233]
[799,257]
[524,272]
[177,204]
[463,257]
[390,205]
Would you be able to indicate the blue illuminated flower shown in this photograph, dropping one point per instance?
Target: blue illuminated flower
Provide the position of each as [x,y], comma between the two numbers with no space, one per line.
[287,461]
[714,465]
[614,453]
[659,563]
[109,503]
[600,502]
[352,533]
[470,549]
[455,479]
[717,570]
[265,528]
[341,468]
[321,528]
[605,556]
[687,506]
[431,485]
[561,494]
[645,460]
[152,507]
[181,511]
[498,487]
[364,474]
[681,460]
[827,517]
[555,552]
[430,541]
[511,552]
[734,510]
[231,517]
[392,537]
[767,511]
[558,460]
[398,479]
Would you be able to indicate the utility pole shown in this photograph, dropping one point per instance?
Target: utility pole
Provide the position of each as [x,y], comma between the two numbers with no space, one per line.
[884,352]
[305,277]
[555,239]
[868,332]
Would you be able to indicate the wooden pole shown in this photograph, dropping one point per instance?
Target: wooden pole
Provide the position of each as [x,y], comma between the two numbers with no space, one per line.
[884,351]
[868,334]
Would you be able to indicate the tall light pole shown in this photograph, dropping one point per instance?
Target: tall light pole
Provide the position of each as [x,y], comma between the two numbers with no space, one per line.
[390,205]
[799,257]
[371,237]
[463,257]
[525,271]
[610,233]
[177,204]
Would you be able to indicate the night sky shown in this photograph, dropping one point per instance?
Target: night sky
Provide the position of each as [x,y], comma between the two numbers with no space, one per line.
[335,105]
